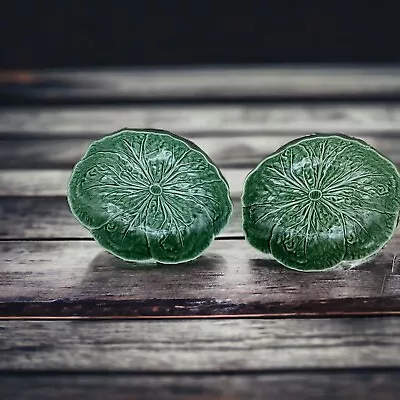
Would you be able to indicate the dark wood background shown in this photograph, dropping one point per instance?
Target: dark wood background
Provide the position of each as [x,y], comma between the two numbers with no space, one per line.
[89,33]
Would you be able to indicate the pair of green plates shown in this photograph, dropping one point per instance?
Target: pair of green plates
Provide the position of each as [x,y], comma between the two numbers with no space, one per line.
[319,202]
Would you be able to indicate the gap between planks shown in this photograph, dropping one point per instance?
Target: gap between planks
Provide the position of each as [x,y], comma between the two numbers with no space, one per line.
[88,239]
[298,315]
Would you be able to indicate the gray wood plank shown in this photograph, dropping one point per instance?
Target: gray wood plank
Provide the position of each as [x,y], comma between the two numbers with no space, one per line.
[50,217]
[200,346]
[290,81]
[226,151]
[334,385]
[192,120]
[53,182]
[78,278]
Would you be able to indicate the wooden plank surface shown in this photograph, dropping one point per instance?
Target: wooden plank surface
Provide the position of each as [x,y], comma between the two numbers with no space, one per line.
[207,119]
[53,182]
[50,217]
[78,278]
[334,385]
[200,346]
[188,331]
[282,358]
[244,151]
[290,81]
[226,152]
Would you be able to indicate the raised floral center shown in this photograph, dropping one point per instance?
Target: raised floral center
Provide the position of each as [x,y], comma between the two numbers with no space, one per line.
[155,189]
[315,194]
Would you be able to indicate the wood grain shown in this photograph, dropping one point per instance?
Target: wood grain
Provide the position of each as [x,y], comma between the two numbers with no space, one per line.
[53,182]
[188,342]
[333,385]
[50,217]
[227,152]
[209,120]
[200,346]
[289,81]
[78,278]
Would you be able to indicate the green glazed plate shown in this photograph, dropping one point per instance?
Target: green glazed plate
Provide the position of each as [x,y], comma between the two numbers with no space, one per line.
[149,195]
[320,202]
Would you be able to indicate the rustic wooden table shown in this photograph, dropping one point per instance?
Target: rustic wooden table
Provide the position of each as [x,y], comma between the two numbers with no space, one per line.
[75,322]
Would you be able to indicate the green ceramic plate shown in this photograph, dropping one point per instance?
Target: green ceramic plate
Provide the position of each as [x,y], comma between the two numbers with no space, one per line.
[149,195]
[322,201]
